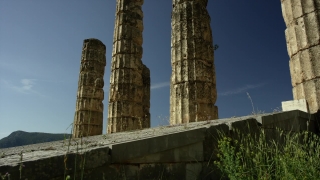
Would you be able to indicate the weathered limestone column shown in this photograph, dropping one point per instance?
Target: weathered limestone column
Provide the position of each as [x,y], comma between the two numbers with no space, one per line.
[88,118]
[193,81]
[129,96]
[302,18]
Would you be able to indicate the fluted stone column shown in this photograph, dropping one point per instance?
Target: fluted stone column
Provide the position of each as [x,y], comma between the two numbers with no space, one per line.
[129,96]
[193,81]
[88,118]
[302,18]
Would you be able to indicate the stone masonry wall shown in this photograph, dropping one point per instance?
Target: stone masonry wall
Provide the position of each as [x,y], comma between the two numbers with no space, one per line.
[129,96]
[302,18]
[185,151]
[193,81]
[88,119]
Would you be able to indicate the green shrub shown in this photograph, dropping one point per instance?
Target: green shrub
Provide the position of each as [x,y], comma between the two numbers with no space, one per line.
[292,156]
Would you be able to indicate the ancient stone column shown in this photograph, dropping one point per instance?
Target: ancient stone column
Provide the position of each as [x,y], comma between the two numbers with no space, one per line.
[88,118]
[129,95]
[193,82]
[302,18]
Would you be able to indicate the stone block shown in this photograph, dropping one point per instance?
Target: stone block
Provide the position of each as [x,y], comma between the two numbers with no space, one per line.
[300,104]
[192,28]
[89,104]
[128,92]
[89,92]
[125,109]
[88,79]
[53,162]
[126,76]
[304,33]
[81,130]
[187,153]
[89,117]
[193,170]
[309,90]
[195,92]
[187,113]
[170,171]
[124,46]
[127,61]
[210,144]
[294,121]
[146,90]
[129,5]
[91,66]
[250,126]
[130,31]
[294,9]
[193,70]
[305,65]
[140,148]
[119,124]
[191,49]
[118,171]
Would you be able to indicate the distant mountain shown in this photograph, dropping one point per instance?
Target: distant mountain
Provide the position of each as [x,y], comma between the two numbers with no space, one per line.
[21,138]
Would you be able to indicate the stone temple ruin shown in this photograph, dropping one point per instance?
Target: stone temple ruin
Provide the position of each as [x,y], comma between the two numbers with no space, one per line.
[129,96]
[186,150]
[302,18]
[89,107]
[193,81]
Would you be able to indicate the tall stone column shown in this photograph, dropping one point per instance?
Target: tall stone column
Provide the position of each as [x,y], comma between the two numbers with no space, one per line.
[302,18]
[88,118]
[193,81]
[129,95]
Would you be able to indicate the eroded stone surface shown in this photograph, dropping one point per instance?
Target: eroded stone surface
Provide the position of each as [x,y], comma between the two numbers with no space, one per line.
[88,119]
[302,18]
[193,80]
[129,95]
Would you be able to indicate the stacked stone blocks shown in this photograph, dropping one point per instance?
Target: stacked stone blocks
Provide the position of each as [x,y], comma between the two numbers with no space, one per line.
[129,96]
[88,118]
[302,18]
[193,81]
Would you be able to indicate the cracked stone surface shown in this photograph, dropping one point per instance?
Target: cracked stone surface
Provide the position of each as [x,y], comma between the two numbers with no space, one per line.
[302,18]
[88,119]
[129,95]
[193,81]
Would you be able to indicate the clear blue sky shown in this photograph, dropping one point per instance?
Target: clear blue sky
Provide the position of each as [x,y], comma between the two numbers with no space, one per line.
[40,50]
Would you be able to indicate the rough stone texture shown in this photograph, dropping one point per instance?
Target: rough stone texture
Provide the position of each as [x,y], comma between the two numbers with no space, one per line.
[88,119]
[193,80]
[129,96]
[302,18]
[183,151]
[300,104]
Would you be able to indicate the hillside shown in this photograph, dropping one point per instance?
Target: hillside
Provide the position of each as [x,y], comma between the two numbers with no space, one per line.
[20,138]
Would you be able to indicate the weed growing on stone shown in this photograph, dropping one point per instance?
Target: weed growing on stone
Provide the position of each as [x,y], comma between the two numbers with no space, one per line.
[163,120]
[21,164]
[253,111]
[7,175]
[297,157]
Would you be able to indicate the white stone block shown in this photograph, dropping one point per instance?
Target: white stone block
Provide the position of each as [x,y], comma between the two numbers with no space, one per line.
[300,104]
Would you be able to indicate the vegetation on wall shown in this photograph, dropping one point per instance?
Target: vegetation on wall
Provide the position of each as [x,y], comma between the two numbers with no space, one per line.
[297,156]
